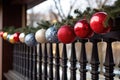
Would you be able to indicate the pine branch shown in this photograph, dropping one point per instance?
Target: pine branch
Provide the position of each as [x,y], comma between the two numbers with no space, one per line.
[44,24]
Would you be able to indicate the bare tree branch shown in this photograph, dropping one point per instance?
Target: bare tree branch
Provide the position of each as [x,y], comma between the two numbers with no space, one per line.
[88,1]
[98,3]
[59,13]
[54,14]
[105,1]
[71,7]
[61,8]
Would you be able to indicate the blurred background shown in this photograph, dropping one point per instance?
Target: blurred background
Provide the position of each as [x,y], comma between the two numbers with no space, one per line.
[59,9]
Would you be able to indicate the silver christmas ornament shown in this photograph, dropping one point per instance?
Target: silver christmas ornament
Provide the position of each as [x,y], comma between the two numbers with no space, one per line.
[51,34]
[30,40]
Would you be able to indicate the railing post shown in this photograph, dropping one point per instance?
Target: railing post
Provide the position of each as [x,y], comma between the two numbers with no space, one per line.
[29,73]
[22,58]
[83,61]
[57,63]
[19,58]
[34,71]
[14,58]
[73,61]
[95,61]
[40,61]
[109,62]
[27,61]
[24,61]
[119,69]
[45,55]
[50,62]
[64,63]
[30,63]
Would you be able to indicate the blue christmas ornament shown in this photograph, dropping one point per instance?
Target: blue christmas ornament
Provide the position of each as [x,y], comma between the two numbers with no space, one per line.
[51,34]
[30,40]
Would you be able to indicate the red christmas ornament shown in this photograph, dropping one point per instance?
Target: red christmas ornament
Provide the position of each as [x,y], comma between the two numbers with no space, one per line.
[97,23]
[66,34]
[16,36]
[82,29]
[1,33]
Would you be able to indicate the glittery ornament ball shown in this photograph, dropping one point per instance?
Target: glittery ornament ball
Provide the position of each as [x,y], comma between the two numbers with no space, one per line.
[30,40]
[8,37]
[40,36]
[11,39]
[51,34]
[22,37]
[5,35]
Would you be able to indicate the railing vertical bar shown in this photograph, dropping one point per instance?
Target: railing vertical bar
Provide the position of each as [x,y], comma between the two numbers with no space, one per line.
[30,63]
[119,69]
[22,58]
[40,61]
[45,55]
[83,61]
[31,70]
[13,64]
[95,61]
[51,62]
[14,58]
[17,58]
[64,63]
[27,62]
[34,71]
[57,63]
[24,61]
[73,61]
[20,55]
[109,61]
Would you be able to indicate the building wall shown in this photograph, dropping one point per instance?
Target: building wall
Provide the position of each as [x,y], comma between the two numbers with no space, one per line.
[13,15]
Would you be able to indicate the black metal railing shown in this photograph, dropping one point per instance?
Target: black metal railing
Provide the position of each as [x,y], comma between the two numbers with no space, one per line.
[42,63]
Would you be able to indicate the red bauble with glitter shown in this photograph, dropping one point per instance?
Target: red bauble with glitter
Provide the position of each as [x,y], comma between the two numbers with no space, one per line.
[66,34]
[82,29]
[16,36]
[97,23]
